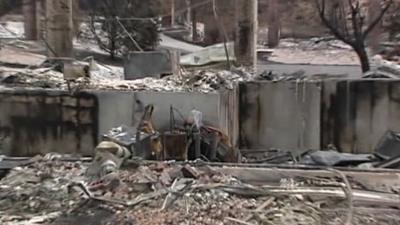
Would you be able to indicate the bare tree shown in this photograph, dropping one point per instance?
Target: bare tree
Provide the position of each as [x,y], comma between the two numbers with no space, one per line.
[347,21]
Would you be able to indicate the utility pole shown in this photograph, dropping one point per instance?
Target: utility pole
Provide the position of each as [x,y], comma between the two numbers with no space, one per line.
[273,24]
[172,13]
[194,21]
[59,28]
[31,10]
[188,11]
[374,38]
[246,32]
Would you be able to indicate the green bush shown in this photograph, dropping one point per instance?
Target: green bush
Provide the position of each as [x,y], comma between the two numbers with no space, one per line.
[107,17]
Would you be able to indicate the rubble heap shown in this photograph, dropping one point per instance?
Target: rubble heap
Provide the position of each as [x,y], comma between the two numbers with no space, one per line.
[52,191]
[38,192]
[194,81]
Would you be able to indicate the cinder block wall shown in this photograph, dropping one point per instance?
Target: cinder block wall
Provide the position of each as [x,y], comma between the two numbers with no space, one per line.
[36,121]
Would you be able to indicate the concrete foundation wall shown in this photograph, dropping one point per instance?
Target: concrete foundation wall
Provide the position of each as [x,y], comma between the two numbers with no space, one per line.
[115,109]
[34,122]
[283,115]
[351,115]
[357,113]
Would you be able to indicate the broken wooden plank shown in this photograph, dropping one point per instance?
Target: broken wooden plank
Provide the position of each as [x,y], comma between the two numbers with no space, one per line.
[261,208]
[359,196]
[237,221]
[379,180]
[390,163]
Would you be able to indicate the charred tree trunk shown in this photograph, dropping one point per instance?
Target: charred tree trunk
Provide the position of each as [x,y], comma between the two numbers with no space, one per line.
[363,56]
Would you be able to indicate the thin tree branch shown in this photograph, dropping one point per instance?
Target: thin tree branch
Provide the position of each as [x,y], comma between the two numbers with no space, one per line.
[377,19]
[217,20]
[343,17]
[362,20]
[322,11]
[355,11]
[92,27]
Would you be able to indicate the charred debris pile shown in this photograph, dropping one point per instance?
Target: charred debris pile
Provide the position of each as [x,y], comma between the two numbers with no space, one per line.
[60,190]
[193,175]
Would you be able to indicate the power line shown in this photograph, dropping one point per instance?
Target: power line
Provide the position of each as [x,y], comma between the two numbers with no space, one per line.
[180,11]
[151,19]
[130,36]
[217,19]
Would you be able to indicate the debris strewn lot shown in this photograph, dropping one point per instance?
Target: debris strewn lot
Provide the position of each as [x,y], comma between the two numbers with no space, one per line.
[121,186]
[52,190]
